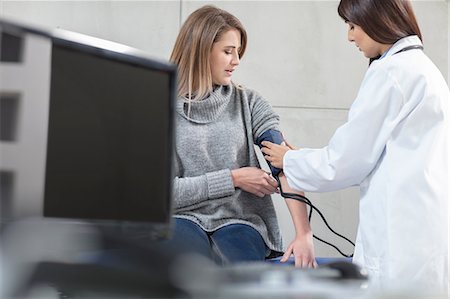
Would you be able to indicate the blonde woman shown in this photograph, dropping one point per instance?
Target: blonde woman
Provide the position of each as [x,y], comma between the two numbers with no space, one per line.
[222,203]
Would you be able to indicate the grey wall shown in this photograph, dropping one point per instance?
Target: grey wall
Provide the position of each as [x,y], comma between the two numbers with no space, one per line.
[298,57]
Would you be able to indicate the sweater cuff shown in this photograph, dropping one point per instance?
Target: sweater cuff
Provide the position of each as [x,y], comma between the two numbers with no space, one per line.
[220,183]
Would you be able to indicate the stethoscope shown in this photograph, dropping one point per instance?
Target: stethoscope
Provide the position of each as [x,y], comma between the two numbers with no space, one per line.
[413,47]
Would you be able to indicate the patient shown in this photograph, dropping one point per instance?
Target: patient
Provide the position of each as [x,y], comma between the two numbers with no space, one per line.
[222,204]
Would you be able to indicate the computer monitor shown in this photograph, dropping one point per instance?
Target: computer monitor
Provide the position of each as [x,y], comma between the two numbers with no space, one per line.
[92,131]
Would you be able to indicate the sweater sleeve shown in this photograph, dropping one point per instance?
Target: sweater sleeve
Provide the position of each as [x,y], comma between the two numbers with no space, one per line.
[188,191]
[262,114]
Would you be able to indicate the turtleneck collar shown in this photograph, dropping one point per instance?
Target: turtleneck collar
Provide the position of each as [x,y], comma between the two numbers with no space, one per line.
[208,109]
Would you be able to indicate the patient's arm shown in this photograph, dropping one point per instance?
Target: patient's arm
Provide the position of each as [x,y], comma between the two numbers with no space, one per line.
[302,246]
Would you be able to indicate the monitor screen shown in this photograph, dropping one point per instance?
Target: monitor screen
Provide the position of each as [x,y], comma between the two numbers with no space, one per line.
[107,148]
[109,132]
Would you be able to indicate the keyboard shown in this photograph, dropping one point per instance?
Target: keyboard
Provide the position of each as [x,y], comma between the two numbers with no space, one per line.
[270,280]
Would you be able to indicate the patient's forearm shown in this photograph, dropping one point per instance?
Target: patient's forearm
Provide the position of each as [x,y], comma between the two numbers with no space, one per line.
[285,186]
[296,208]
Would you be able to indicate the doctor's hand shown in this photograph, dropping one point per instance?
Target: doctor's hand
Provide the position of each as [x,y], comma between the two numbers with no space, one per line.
[254,180]
[274,153]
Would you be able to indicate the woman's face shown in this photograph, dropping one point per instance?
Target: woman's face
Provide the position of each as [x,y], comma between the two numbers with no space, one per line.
[225,57]
[364,42]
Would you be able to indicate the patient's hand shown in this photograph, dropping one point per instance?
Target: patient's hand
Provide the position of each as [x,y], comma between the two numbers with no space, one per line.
[254,180]
[302,248]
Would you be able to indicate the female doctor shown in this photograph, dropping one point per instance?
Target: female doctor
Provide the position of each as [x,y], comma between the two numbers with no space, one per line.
[394,146]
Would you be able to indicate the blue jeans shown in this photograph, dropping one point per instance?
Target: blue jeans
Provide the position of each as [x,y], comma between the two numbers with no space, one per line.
[229,244]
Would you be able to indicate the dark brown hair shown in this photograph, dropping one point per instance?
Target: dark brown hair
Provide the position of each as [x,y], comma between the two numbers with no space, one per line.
[385,21]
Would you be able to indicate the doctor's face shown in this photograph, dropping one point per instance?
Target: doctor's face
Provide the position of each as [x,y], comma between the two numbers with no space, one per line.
[224,57]
[364,42]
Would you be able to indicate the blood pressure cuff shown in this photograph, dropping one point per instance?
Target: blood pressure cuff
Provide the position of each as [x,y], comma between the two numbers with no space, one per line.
[273,136]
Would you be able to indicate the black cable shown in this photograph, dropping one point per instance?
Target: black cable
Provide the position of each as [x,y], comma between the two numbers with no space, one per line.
[305,200]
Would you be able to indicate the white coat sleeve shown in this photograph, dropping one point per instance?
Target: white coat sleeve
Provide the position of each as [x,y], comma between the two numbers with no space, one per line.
[357,146]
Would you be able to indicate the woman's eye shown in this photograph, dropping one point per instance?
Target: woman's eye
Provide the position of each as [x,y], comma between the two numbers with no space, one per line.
[228,52]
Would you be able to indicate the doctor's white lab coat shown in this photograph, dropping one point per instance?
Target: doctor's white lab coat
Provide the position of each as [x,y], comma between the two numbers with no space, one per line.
[395,147]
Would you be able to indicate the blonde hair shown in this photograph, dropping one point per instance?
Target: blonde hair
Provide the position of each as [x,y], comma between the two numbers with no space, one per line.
[193,46]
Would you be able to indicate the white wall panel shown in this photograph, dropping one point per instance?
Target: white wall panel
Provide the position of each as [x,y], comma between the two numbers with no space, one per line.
[151,26]
[433,19]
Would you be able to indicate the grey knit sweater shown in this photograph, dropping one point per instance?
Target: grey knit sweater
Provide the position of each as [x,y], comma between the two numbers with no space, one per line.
[216,137]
